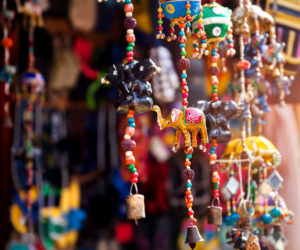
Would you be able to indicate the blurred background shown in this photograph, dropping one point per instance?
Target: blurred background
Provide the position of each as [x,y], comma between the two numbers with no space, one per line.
[80,39]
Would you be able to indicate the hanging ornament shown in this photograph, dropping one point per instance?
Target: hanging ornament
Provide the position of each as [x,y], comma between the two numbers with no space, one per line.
[8,70]
[134,96]
[179,13]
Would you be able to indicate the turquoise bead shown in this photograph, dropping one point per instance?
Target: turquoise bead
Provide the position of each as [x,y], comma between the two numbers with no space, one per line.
[130,120]
[213,148]
[228,220]
[182,45]
[181,33]
[189,185]
[132,125]
[266,218]
[188,25]
[189,156]
[183,75]
[235,217]
[127,1]
[275,212]
[203,41]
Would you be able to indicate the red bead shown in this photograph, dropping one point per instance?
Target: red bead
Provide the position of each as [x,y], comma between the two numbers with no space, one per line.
[130,131]
[134,180]
[204,37]
[215,99]
[190,212]
[214,95]
[160,28]
[128,7]
[185,95]
[183,84]
[244,64]
[129,59]
[130,38]
[188,18]
[135,175]
[130,160]
[214,58]
[129,53]
[184,103]
[172,30]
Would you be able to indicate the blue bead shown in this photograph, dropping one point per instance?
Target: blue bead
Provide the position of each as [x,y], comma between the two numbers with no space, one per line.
[130,120]
[213,148]
[131,125]
[203,41]
[213,50]
[189,185]
[182,45]
[228,220]
[266,218]
[235,217]
[189,156]
[183,75]
[275,212]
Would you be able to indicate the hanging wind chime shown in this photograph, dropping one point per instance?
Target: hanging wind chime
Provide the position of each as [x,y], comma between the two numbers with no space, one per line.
[30,100]
[134,96]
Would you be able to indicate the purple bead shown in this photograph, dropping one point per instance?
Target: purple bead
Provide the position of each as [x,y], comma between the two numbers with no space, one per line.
[129,23]
[128,145]
[214,71]
[188,174]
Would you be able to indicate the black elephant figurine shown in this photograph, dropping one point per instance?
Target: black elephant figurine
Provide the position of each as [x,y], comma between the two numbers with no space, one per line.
[217,116]
[132,82]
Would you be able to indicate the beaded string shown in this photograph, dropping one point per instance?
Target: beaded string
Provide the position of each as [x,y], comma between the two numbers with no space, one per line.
[128,144]
[129,24]
[188,174]
[160,16]
[8,70]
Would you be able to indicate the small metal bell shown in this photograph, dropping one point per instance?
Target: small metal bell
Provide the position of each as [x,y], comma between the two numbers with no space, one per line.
[193,236]
[135,206]
[214,215]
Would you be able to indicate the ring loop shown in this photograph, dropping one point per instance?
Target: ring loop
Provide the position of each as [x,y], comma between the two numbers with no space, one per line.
[135,186]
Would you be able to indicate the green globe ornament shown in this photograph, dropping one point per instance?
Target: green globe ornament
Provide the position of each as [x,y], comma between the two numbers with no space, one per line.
[216,21]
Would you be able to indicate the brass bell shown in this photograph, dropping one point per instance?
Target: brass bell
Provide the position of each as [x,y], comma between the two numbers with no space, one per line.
[135,206]
[214,215]
[193,236]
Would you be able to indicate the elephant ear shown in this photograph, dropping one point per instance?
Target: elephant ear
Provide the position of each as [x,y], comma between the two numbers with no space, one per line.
[175,115]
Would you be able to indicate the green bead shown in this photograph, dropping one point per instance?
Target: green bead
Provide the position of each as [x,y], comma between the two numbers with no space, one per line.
[129,48]
[133,170]
[188,12]
[131,44]
[216,186]
[214,90]
[182,53]
[172,25]
[214,86]
[160,22]
[130,166]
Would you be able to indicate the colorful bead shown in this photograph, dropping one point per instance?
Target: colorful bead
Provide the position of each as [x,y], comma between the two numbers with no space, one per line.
[188,174]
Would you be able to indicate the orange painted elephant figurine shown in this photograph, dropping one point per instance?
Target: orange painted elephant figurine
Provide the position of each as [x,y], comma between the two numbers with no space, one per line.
[188,122]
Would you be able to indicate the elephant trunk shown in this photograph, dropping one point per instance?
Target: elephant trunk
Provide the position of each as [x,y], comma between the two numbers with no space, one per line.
[160,119]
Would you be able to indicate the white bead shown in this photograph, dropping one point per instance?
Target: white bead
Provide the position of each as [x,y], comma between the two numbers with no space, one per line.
[130,31]
[127,137]
[128,153]
[128,14]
